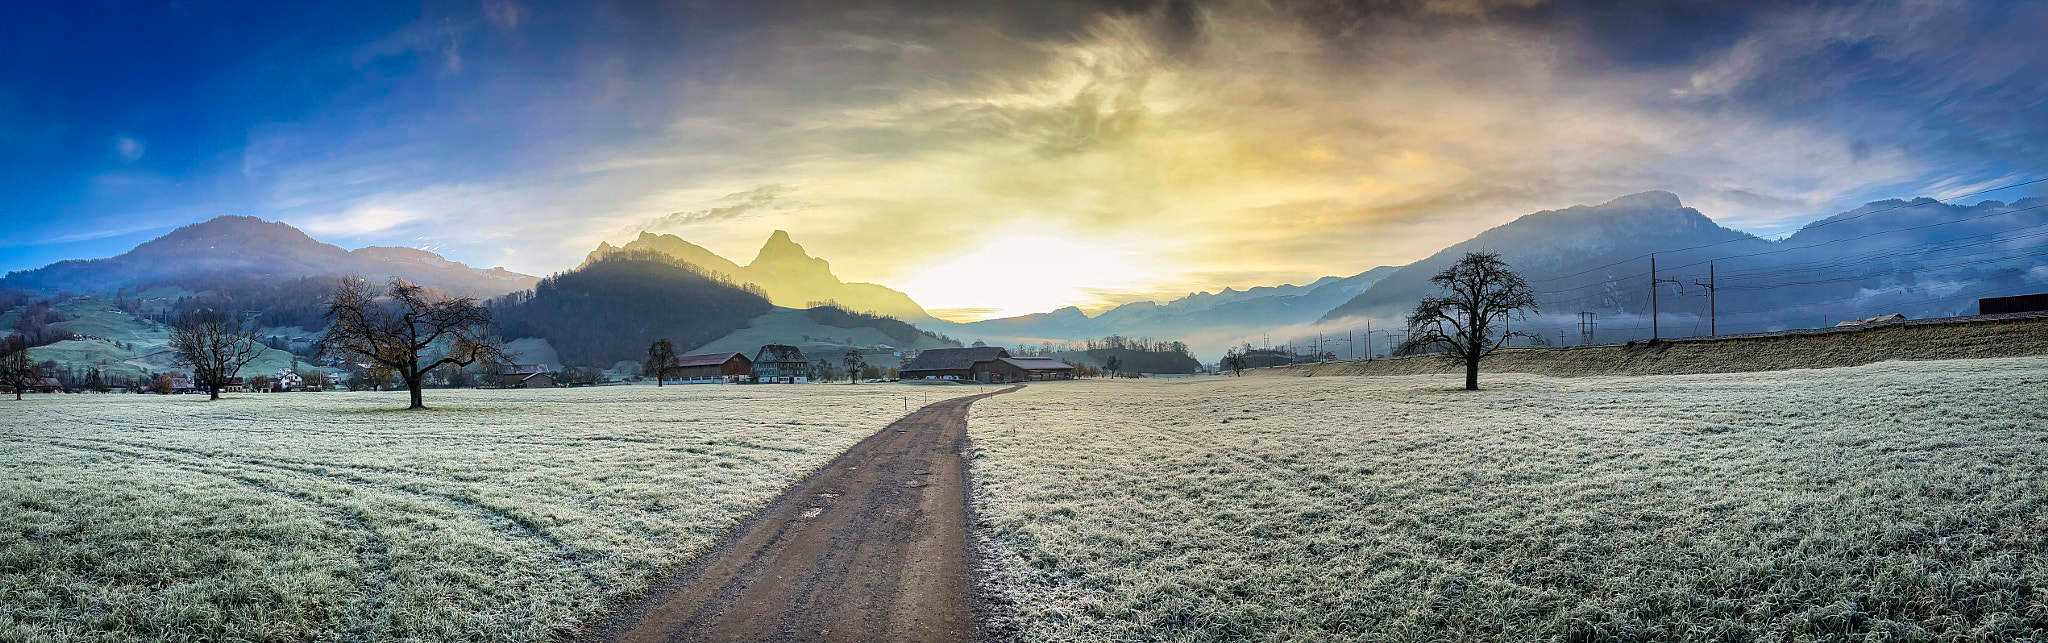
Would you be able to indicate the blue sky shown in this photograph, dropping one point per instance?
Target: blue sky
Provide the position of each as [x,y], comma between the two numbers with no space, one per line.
[896,136]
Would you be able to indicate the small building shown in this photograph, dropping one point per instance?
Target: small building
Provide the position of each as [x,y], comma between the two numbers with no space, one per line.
[234,385]
[1022,369]
[781,364]
[954,364]
[1872,321]
[710,368]
[2034,303]
[47,385]
[527,380]
[286,380]
[182,384]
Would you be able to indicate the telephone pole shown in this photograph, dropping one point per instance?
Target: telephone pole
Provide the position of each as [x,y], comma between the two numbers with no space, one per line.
[1653,295]
[1368,339]
[1713,312]
[1585,328]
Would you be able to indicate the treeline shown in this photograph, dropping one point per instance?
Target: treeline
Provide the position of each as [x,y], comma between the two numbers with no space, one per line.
[612,308]
[297,301]
[830,313]
[1132,355]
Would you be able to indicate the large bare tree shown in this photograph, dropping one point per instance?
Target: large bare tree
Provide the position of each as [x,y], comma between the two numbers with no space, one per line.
[661,358]
[17,371]
[1469,321]
[215,346]
[406,332]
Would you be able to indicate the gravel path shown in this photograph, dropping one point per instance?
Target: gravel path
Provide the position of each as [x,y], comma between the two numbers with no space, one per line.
[873,547]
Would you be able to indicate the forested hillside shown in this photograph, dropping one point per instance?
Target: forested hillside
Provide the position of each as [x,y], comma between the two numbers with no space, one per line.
[613,307]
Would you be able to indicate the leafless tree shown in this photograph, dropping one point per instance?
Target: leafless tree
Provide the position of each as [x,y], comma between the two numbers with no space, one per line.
[406,333]
[17,371]
[661,358]
[215,346]
[854,362]
[1234,361]
[1480,292]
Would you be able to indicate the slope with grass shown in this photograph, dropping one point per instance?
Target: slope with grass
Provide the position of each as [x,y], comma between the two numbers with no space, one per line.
[498,515]
[1896,501]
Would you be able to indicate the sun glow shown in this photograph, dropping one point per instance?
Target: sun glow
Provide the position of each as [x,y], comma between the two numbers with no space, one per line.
[1016,273]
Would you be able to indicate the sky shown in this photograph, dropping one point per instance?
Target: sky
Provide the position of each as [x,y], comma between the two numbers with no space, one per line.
[993,158]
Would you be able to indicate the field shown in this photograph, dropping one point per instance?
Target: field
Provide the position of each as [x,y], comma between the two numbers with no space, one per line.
[1896,501]
[499,515]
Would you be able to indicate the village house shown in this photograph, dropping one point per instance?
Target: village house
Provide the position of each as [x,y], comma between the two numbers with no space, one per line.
[990,364]
[710,368]
[781,364]
[526,376]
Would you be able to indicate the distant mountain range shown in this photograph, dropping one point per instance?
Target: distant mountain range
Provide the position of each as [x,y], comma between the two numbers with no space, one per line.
[1920,258]
[791,277]
[248,248]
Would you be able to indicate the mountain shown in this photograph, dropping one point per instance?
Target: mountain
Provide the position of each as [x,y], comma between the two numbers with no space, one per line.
[791,277]
[248,248]
[1208,322]
[613,307]
[1920,258]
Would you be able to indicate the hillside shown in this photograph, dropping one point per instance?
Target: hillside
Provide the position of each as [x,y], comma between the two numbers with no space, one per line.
[123,347]
[1921,258]
[248,249]
[610,309]
[790,276]
[1209,322]
[828,334]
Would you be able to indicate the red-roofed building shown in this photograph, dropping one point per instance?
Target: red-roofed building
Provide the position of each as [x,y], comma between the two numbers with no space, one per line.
[710,368]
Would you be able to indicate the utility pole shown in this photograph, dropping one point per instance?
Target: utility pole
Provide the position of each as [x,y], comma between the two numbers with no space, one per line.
[1585,328]
[1713,312]
[1653,295]
[1368,339]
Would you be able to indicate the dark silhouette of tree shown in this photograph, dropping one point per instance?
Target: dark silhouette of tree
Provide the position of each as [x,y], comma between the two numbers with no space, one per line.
[1480,292]
[17,371]
[822,370]
[1234,361]
[661,357]
[854,362]
[395,334]
[215,346]
[1112,365]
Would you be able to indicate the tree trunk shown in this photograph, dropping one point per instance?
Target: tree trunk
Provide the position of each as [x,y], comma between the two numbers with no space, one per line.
[1471,374]
[212,392]
[412,384]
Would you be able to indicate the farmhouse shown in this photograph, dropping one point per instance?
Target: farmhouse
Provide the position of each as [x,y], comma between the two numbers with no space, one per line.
[950,363]
[527,380]
[710,368]
[781,364]
[1022,369]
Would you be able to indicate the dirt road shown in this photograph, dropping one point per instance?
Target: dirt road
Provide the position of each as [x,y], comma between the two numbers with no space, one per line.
[873,547]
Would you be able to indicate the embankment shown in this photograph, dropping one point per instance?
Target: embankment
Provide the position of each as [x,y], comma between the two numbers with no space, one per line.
[2014,335]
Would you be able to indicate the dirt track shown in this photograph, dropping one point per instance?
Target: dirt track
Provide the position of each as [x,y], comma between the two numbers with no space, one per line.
[873,547]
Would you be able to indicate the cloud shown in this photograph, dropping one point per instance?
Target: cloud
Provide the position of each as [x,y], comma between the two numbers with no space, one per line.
[130,149]
[765,198]
[357,222]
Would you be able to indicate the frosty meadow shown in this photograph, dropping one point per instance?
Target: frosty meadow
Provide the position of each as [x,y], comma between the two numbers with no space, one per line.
[1898,500]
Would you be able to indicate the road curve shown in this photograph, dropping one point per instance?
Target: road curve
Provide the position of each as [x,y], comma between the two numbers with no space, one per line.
[872,547]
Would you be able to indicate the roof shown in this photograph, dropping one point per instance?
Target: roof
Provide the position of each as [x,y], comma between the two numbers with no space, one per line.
[706,359]
[779,353]
[1037,363]
[525,369]
[954,359]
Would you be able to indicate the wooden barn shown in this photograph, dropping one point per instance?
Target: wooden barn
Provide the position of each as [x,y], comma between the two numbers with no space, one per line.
[710,368]
[1022,369]
[950,363]
[781,364]
[527,380]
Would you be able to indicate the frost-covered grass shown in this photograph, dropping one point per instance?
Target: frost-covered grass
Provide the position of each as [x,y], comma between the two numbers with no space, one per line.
[498,515]
[1898,501]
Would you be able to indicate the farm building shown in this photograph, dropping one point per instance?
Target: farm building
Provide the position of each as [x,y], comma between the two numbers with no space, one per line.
[781,364]
[527,380]
[1022,369]
[950,363]
[2037,302]
[709,368]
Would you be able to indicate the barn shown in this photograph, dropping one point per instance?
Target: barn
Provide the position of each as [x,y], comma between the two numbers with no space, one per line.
[710,368]
[950,363]
[781,364]
[1022,369]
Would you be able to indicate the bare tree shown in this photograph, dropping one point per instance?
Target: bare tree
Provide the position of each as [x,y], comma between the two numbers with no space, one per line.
[215,346]
[661,358]
[17,371]
[1234,361]
[1480,292]
[1112,365]
[396,333]
[854,362]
